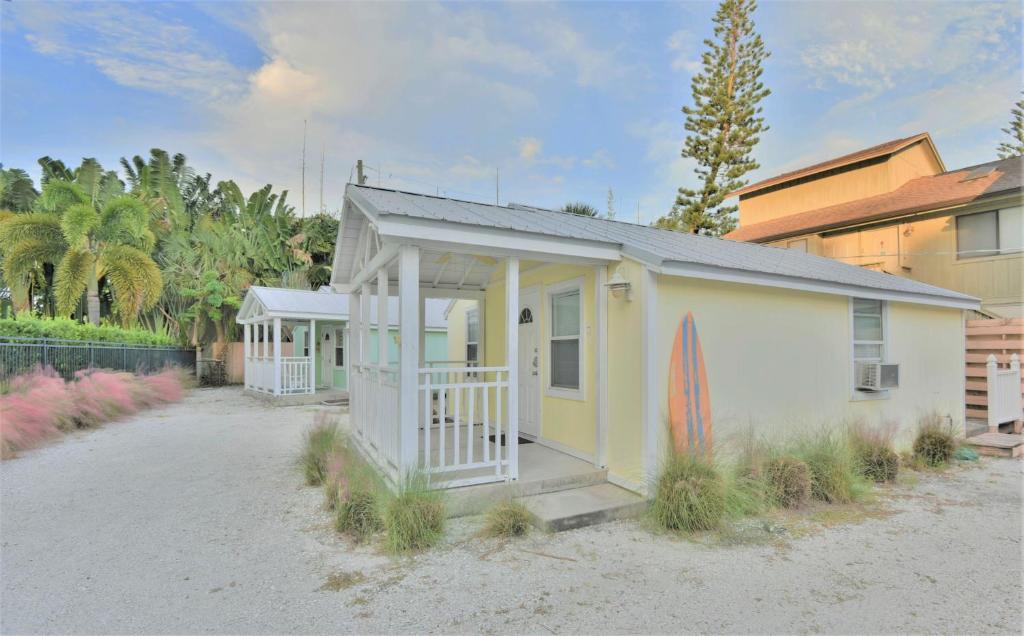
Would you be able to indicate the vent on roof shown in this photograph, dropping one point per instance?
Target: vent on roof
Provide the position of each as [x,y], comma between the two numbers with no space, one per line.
[978,173]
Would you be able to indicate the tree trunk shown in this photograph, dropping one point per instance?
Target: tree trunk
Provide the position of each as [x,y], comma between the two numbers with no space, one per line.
[92,297]
[218,325]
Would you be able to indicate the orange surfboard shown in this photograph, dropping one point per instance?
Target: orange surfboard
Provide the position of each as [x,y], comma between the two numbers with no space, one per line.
[689,402]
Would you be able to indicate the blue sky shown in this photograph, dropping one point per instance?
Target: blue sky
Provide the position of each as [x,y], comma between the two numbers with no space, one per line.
[565,100]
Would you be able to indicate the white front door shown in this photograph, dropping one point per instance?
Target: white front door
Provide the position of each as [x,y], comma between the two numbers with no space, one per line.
[529,363]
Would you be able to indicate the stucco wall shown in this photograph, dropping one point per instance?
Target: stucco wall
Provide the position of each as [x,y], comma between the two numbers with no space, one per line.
[625,377]
[780,360]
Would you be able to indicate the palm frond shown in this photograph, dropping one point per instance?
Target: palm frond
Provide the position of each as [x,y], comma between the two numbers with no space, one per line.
[59,195]
[134,278]
[35,226]
[71,279]
[125,220]
[78,221]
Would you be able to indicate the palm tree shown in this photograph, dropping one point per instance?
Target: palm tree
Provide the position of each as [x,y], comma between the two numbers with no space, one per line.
[86,245]
[580,209]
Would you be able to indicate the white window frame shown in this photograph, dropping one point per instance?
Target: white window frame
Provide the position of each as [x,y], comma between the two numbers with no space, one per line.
[1000,252]
[550,291]
[339,334]
[469,313]
[856,395]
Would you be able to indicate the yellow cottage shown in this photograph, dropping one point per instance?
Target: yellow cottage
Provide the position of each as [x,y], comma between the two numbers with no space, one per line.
[565,333]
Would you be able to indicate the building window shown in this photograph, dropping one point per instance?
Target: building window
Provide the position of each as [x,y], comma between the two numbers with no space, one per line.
[990,233]
[566,352]
[472,337]
[339,348]
[868,330]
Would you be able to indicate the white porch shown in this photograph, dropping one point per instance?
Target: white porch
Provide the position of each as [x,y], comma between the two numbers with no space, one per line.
[267,315]
[446,420]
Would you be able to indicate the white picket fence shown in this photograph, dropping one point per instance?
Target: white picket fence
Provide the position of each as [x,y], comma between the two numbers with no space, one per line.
[373,394]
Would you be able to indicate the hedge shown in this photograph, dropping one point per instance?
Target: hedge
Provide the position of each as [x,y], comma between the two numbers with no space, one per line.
[67,329]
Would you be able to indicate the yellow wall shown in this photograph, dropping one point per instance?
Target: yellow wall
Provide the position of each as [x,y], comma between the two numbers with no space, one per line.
[457,329]
[845,184]
[571,423]
[925,250]
[780,360]
[625,377]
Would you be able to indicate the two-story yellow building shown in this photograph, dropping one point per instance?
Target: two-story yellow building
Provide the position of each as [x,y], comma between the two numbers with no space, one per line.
[895,208]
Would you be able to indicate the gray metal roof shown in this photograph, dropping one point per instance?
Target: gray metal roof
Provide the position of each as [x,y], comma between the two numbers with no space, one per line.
[328,305]
[651,245]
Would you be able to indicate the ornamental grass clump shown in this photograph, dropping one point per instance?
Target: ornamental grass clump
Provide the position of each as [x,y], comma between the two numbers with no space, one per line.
[357,512]
[321,440]
[833,468]
[690,495]
[414,517]
[508,519]
[788,481]
[935,442]
[875,457]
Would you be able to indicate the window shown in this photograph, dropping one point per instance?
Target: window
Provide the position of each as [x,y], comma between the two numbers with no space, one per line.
[990,233]
[472,337]
[565,340]
[868,332]
[339,348]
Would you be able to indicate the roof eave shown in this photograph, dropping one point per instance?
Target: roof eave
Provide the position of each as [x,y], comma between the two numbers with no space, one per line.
[766,279]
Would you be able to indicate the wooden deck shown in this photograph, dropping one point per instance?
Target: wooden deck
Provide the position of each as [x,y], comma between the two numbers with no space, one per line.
[998,444]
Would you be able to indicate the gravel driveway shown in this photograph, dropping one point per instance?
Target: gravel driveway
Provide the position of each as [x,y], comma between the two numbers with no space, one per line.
[193,518]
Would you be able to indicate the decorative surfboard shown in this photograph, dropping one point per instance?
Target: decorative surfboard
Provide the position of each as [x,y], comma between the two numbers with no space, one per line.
[689,402]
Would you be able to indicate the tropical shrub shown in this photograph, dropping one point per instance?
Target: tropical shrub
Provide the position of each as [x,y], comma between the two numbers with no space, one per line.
[873,452]
[690,495]
[788,480]
[508,519]
[935,442]
[414,517]
[27,326]
[830,459]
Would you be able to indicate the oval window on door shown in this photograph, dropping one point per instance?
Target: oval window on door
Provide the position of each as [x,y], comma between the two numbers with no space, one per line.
[525,316]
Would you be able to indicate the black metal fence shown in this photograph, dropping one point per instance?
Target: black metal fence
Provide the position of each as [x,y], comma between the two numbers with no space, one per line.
[21,355]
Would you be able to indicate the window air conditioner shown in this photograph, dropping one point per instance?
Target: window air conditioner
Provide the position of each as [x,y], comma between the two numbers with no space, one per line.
[876,376]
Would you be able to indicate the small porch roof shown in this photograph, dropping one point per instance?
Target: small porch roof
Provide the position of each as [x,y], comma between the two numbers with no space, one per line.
[263,303]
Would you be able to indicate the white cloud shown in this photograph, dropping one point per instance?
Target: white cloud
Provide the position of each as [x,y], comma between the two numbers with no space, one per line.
[600,158]
[471,168]
[529,148]
[684,47]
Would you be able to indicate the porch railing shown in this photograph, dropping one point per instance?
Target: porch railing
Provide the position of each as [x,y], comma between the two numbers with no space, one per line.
[373,394]
[297,375]
[462,423]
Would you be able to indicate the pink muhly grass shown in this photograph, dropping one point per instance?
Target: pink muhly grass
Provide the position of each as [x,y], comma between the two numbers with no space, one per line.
[37,408]
[160,388]
[103,395]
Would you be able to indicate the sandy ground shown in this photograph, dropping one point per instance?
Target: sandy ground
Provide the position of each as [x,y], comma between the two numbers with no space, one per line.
[193,518]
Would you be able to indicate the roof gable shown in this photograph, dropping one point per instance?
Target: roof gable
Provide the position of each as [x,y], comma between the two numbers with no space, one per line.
[874,152]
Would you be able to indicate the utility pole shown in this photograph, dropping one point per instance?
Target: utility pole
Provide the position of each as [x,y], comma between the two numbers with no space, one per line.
[497,186]
[360,177]
[303,167]
[638,213]
[323,153]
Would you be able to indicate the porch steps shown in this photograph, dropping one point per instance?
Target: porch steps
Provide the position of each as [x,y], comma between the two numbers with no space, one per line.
[478,499]
[579,507]
[998,444]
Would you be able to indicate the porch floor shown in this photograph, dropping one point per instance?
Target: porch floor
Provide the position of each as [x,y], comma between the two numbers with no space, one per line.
[321,395]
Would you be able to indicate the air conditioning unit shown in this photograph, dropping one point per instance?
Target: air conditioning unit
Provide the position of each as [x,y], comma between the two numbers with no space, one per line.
[876,376]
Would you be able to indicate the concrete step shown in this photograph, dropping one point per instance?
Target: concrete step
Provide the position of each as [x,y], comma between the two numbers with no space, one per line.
[998,444]
[478,499]
[579,507]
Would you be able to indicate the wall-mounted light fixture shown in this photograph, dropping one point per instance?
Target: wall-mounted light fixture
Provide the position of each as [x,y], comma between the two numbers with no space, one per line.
[619,286]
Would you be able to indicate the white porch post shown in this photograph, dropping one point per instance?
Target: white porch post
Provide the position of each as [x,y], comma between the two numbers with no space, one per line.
[246,344]
[354,316]
[383,319]
[311,342]
[364,323]
[409,355]
[277,356]
[512,356]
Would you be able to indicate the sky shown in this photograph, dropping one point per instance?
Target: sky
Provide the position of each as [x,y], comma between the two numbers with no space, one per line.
[523,102]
